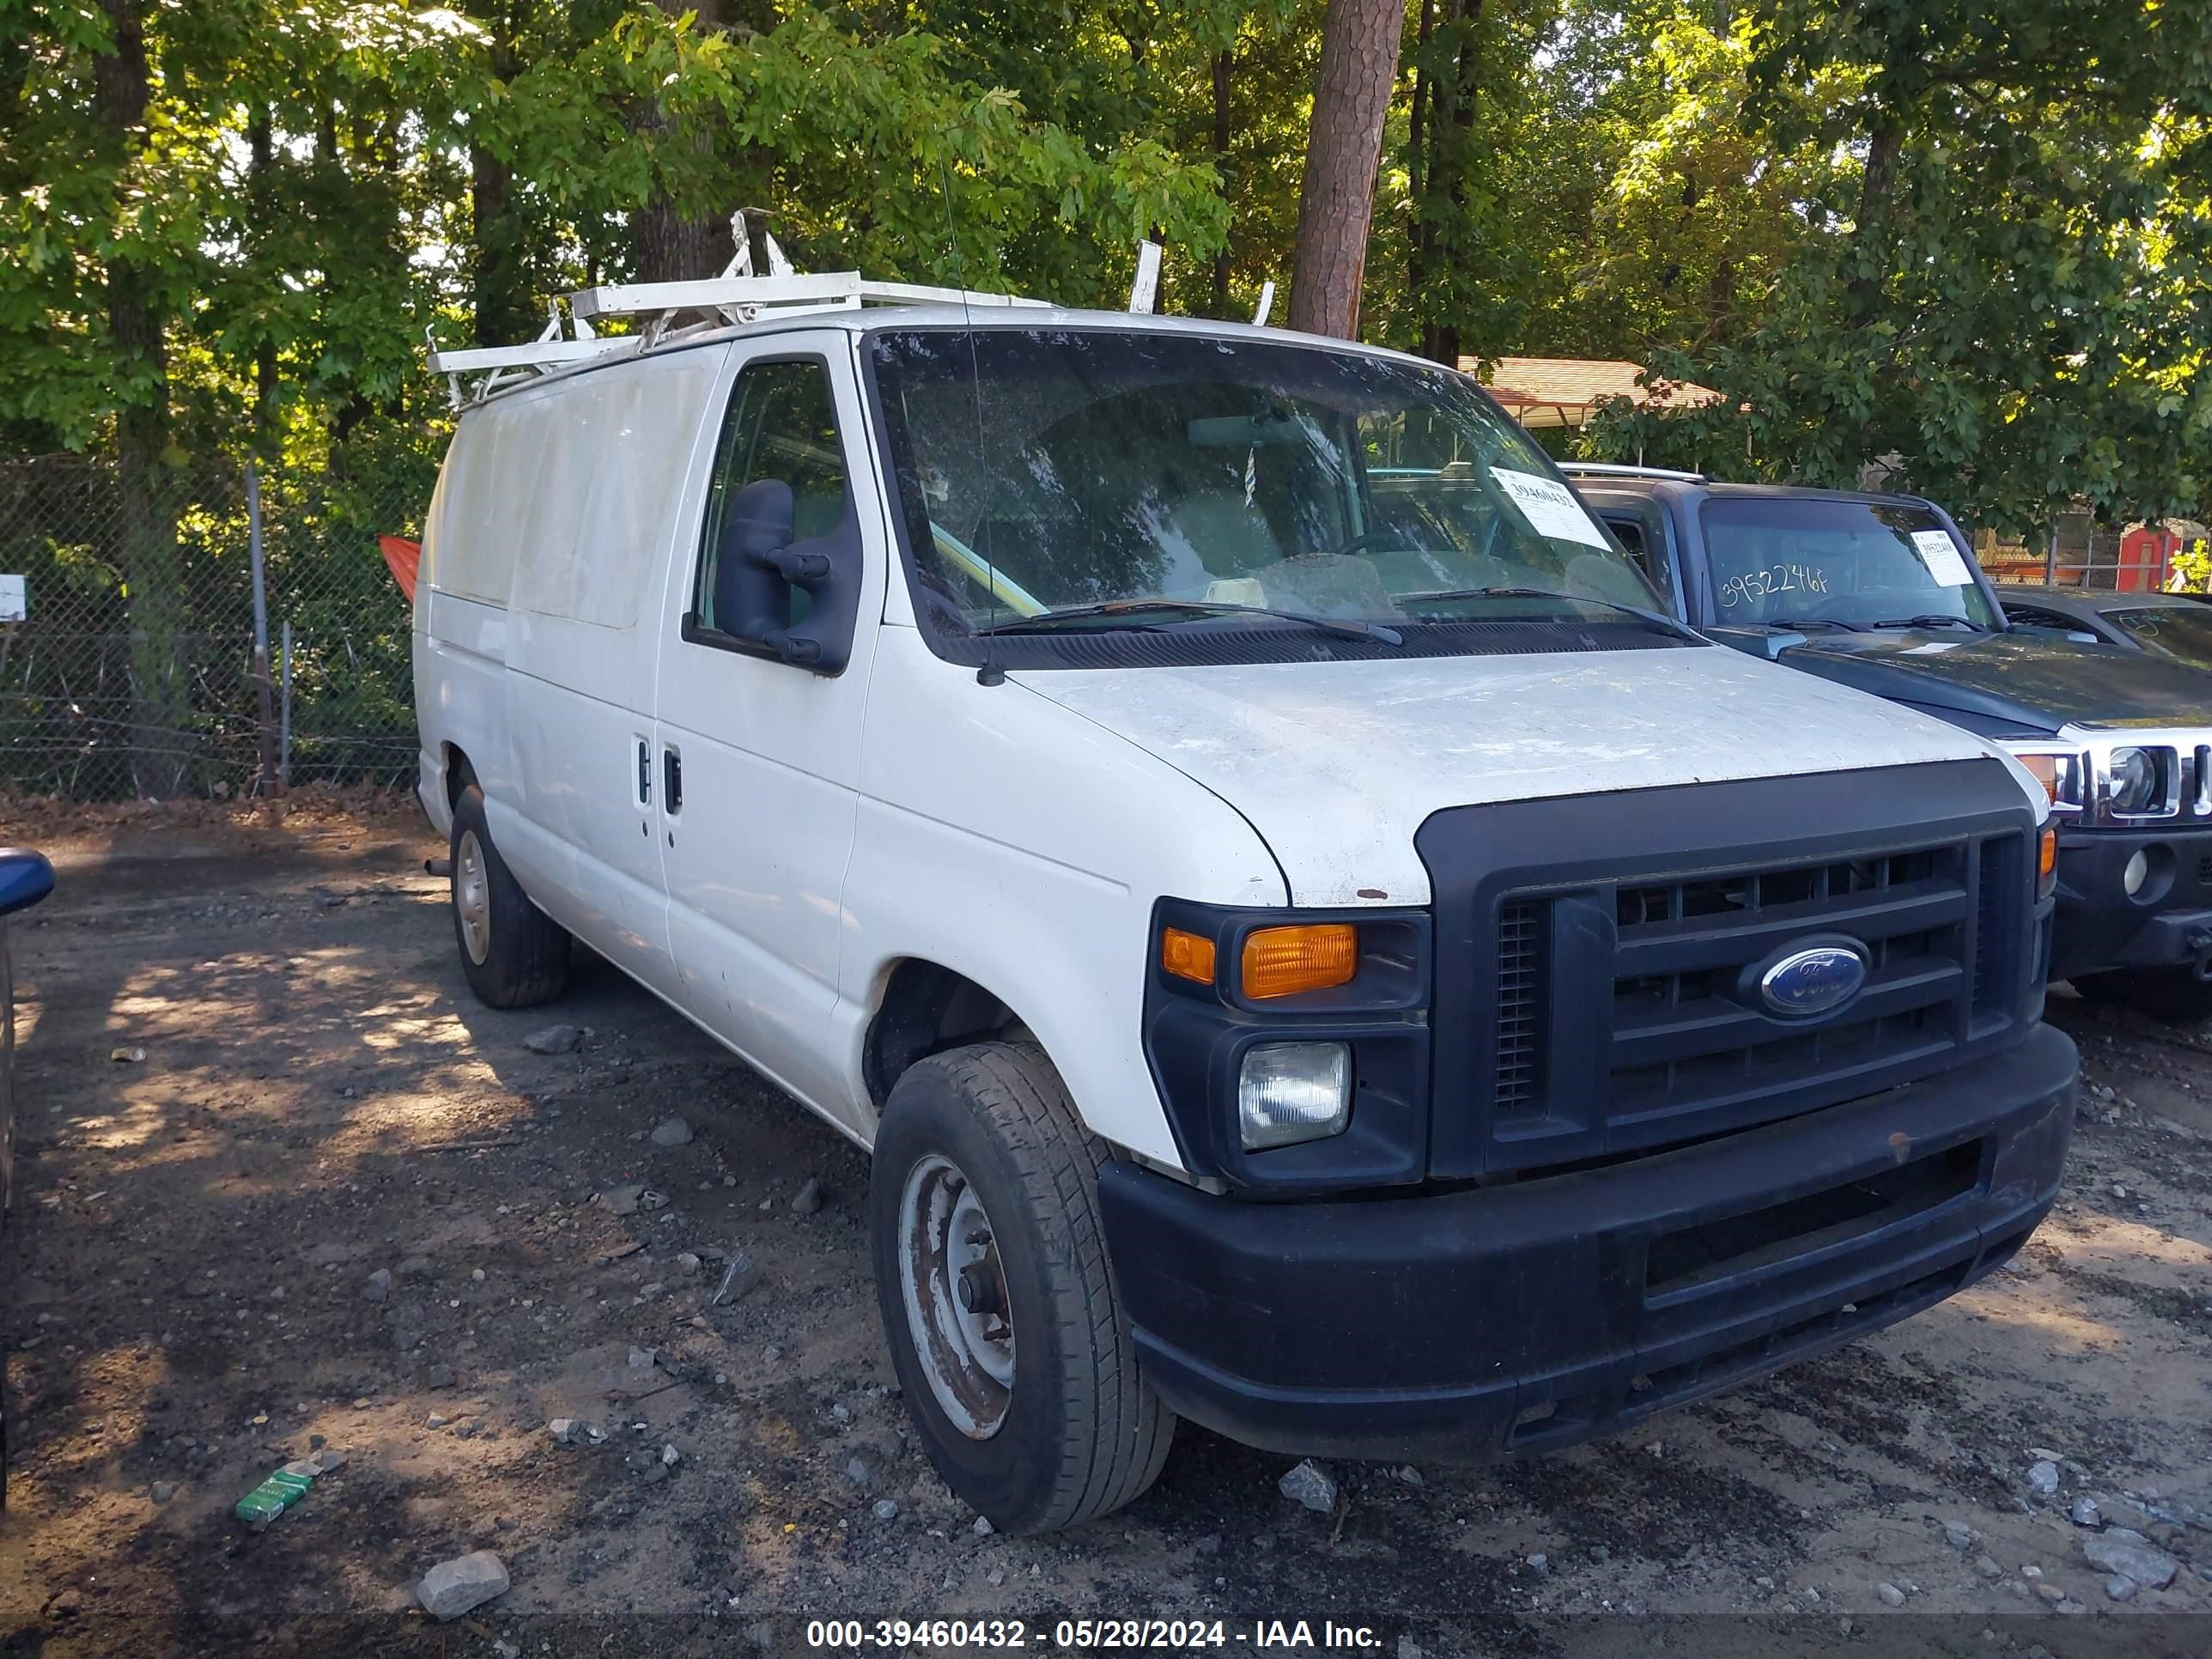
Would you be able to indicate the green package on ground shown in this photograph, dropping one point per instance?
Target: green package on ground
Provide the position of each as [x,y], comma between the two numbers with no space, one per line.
[275,1495]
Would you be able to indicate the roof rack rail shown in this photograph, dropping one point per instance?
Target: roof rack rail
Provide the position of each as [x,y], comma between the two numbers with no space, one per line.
[1613,469]
[735,297]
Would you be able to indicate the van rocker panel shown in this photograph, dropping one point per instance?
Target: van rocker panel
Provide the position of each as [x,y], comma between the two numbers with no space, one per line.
[1479,1323]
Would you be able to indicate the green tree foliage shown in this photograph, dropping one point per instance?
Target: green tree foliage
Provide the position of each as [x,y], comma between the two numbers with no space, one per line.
[2002,293]
[1967,244]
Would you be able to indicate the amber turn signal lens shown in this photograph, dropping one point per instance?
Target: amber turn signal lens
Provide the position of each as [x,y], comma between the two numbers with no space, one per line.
[2046,860]
[1280,962]
[2044,768]
[1186,955]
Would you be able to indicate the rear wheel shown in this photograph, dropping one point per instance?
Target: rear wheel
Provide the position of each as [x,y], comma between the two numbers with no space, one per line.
[513,953]
[1009,1339]
[2175,995]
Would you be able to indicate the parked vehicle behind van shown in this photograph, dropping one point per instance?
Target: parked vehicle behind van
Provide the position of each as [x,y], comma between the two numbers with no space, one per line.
[1882,593]
[1310,949]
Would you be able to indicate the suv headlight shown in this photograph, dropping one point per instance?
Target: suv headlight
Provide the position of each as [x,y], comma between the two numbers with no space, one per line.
[2134,783]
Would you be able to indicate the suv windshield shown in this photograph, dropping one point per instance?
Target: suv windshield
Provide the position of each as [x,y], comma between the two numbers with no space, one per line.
[2179,630]
[1790,559]
[1062,482]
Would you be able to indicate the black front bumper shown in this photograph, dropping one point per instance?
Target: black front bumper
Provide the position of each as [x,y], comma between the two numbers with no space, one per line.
[1483,1322]
[2168,924]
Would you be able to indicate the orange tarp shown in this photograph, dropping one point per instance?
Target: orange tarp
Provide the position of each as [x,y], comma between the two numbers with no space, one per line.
[402,556]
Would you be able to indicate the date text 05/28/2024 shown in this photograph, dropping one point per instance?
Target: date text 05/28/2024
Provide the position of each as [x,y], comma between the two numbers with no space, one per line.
[1093,1635]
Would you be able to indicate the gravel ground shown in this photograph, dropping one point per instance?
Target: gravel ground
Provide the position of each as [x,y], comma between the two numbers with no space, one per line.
[338,1208]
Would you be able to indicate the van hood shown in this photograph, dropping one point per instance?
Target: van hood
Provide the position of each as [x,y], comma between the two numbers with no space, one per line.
[1336,764]
[2011,685]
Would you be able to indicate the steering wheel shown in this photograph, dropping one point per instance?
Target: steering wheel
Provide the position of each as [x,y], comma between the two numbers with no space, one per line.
[1357,542]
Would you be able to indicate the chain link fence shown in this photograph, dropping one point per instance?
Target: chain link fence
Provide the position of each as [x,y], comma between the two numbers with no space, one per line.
[2078,551]
[127,662]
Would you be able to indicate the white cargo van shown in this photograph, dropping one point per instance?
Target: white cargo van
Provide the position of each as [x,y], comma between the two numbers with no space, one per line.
[1311,950]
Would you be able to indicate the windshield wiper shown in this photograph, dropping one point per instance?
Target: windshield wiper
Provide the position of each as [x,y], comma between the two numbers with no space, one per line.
[1658,619]
[1934,620]
[1348,628]
[1796,623]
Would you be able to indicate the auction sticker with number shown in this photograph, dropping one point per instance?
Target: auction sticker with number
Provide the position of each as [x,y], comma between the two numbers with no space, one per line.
[1549,506]
[1941,555]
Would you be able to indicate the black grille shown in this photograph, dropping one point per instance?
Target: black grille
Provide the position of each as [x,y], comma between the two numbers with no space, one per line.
[1997,939]
[1688,1032]
[1519,983]
[1691,1049]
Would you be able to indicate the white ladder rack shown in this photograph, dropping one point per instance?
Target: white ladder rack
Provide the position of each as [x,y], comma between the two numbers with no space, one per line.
[732,299]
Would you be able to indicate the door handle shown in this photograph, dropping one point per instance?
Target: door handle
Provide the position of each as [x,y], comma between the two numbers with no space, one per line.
[644,772]
[671,780]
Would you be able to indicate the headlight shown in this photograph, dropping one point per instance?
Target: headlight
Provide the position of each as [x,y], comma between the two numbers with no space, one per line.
[2133,782]
[1287,1092]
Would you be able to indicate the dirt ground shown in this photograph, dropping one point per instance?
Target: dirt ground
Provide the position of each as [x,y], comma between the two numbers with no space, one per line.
[337,1203]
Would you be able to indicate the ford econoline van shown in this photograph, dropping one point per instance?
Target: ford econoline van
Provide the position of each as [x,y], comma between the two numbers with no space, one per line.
[1311,949]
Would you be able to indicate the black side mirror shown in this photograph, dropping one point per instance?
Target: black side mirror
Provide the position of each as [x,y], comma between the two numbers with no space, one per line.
[25,878]
[760,567]
[750,599]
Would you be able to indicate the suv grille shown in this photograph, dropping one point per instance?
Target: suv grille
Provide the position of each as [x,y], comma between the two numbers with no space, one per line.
[1690,1048]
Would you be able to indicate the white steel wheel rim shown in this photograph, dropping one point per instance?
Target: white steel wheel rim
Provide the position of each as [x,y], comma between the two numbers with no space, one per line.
[472,897]
[965,1342]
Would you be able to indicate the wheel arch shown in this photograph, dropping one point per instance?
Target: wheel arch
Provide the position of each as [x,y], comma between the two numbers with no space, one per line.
[925,1008]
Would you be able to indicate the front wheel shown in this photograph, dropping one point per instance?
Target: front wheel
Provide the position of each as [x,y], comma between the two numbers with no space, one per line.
[514,954]
[1009,1339]
[2175,995]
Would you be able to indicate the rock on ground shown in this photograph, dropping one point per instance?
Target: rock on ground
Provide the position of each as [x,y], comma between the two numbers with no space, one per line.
[1310,1485]
[2131,1555]
[2043,1478]
[555,1040]
[671,1132]
[453,1588]
[808,1199]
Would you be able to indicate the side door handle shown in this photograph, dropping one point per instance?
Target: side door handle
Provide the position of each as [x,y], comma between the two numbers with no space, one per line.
[644,772]
[672,780]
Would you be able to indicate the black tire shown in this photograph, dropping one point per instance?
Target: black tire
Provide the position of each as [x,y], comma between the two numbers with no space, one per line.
[2175,995]
[1079,1433]
[524,957]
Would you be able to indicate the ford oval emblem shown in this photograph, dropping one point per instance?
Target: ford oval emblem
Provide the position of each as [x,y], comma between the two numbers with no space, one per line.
[1816,979]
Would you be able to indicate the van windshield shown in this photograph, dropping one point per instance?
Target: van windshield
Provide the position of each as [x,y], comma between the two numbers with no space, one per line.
[1790,560]
[1070,481]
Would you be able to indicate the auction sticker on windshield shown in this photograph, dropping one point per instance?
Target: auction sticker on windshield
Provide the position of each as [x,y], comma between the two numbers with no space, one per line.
[1941,555]
[1549,506]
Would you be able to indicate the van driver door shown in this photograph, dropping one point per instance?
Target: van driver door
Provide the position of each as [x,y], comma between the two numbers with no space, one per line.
[763,686]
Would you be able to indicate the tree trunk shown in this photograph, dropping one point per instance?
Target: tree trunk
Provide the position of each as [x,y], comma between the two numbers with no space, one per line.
[1440,192]
[673,249]
[260,142]
[1884,145]
[670,247]
[1223,63]
[502,313]
[1419,236]
[160,705]
[1336,201]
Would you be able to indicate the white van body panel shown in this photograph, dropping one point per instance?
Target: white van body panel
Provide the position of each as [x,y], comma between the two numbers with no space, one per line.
[1339,763]
[1018,844]
[756,858]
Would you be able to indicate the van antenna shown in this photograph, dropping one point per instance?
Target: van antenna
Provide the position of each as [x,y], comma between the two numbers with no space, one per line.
[990,673]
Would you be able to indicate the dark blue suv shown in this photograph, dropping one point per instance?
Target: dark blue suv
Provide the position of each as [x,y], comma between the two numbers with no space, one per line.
[1882,593]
